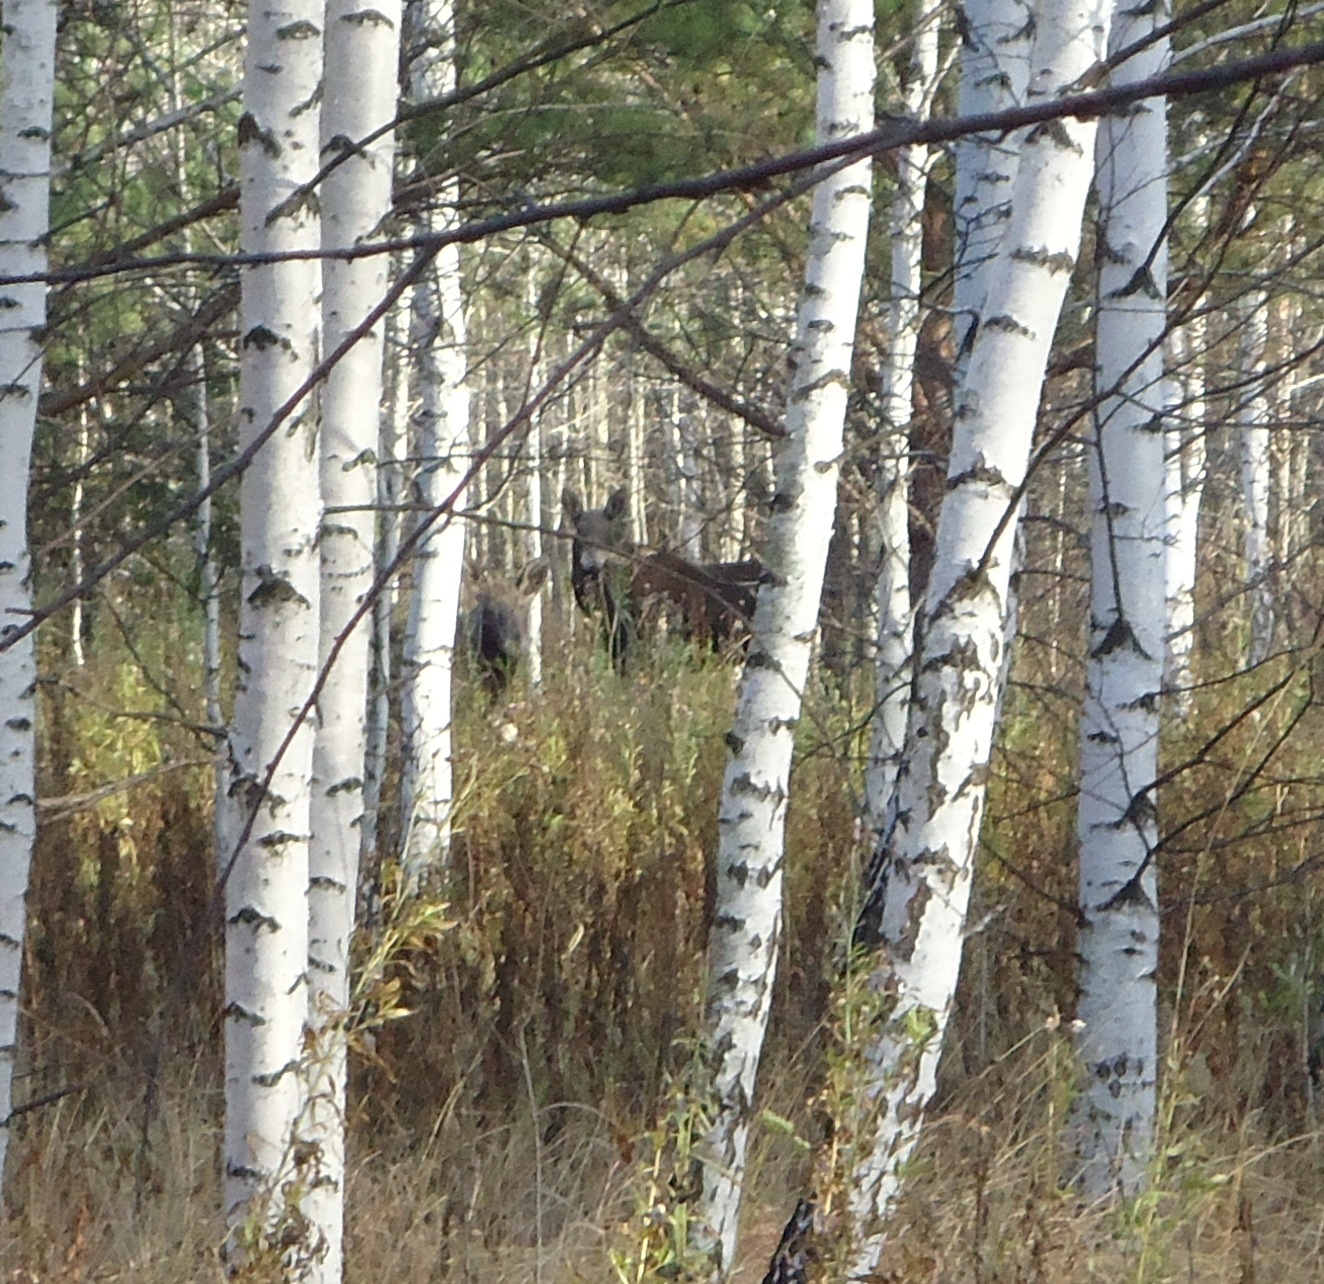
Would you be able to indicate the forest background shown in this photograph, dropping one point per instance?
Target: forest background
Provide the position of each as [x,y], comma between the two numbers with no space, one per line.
[519,1050]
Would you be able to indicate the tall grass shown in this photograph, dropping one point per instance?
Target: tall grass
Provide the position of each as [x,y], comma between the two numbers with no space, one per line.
[521,1051]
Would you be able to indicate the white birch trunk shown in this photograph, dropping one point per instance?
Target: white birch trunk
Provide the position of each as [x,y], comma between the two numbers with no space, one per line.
[1256,471]
[223,828]
[691,487]
[1185,447]
[533,634]
[892,591]
[27,87]
[917,908]
[394,436]
[442,447]
[533,455]
[996,36]
[362,55]
[742,947]
[1117,817]
[266,894]
[77,559]
[635,460]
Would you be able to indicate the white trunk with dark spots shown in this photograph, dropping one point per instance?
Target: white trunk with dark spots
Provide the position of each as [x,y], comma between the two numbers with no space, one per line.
[27,87]
[892,590]
[1117,817]
[996,37]
[362,54]
[442,448]
[919,917]
[1185,446]
[266,894]
[742,948]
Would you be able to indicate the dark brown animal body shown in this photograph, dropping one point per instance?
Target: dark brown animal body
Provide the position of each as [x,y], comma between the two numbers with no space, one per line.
[495,626]
[714,600]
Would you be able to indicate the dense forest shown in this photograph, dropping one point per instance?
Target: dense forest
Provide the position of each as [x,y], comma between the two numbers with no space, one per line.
[660,640]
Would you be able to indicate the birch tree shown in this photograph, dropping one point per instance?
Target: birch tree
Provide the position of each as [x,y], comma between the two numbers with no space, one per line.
[742,948]
[1256,469]
[1117,818]
[442,434]
[27,89]
[266,892]
[362,54]
[920,882]
[892,592]
[995,60]
[1185,446]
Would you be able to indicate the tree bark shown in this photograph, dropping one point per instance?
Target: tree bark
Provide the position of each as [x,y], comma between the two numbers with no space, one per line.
[359,96]
[916,905]
[892,591]
[1185,446]
[1256,472]
[742,947]
[266,909]
[27,88]
[442,446]
[1118,818]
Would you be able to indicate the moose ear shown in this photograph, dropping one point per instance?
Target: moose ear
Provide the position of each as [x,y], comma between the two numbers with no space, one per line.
[618,504]
[570,505]
[534,576]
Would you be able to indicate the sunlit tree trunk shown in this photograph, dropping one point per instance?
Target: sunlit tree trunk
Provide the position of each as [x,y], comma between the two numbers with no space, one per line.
[77,559]
[27,87]
[266,893]
[996,36]
[1256,470]
[1185,446]
[442,447]
[916,907]
[394,435]
[1117,817]
[892,592]
[742,947]
[362,54]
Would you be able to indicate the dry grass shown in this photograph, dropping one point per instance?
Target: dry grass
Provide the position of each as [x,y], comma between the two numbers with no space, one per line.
[503,1131]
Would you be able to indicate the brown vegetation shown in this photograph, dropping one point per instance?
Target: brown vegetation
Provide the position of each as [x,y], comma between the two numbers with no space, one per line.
[520,1057]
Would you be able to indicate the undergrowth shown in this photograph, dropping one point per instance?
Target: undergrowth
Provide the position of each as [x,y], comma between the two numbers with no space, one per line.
[517,1106]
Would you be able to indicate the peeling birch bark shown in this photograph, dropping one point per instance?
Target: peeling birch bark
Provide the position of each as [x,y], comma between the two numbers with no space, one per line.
[362,55]
[917,908]
[266,907]
[27,89]
[742,946]
[1117,822]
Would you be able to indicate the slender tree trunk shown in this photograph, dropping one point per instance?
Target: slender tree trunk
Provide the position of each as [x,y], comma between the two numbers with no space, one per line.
[390,490]
[1256,474]
[359,96]
[442,446]
[916,903]
[1118,818]
[691,486]
[210,596]
[742,947]
[27,87]
[533,462]
[1185,446]
[77,558]
[892,592]
[266,912]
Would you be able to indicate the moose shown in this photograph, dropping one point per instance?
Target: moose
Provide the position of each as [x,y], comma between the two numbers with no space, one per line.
[495,625]
[715,600]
